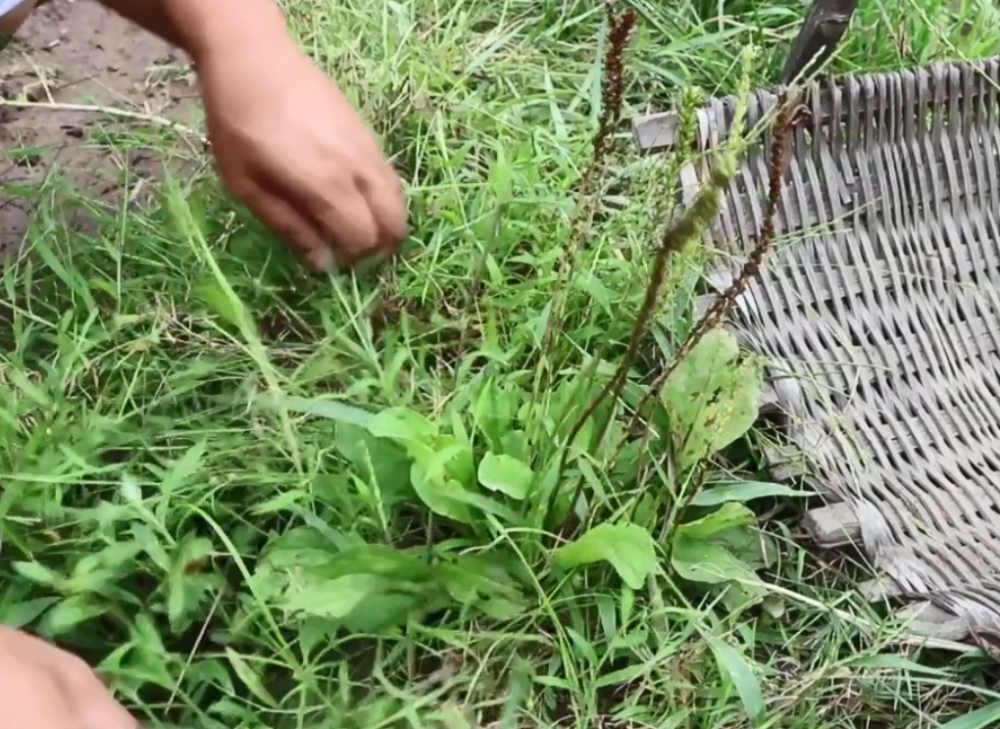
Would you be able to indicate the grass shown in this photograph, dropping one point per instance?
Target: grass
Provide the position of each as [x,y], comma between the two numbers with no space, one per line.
[222,514]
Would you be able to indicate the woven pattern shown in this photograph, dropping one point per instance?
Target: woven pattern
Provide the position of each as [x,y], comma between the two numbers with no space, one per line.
[879,316]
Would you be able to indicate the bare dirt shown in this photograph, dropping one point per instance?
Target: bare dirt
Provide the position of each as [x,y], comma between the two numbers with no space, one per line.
[73,52]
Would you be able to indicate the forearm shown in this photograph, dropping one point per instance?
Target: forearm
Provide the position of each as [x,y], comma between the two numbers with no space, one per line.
[199,25]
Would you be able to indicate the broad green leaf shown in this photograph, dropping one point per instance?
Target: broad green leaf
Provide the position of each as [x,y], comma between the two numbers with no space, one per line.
[437,491]
[505,474]
[384,610]
[706,561]
[751,546]
[334,599]
[736,598]
[734,666]
[627,547]
[367,589]
[459,461]
[713,398]
[488,506]
[381,560]
[470,577]
[299,548]
[402,424]
[515,443]
[380,462]
[746,491]
[729,516]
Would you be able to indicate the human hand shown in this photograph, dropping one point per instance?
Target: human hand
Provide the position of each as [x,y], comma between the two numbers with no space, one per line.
[43,687]
[289,146]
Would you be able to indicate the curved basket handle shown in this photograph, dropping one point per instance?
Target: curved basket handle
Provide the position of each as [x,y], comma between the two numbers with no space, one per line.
[825,24]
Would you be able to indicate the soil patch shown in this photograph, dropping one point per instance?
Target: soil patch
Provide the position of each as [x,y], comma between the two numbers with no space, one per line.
[74,53]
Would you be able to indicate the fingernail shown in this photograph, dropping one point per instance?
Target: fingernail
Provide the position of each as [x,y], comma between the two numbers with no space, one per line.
[322,260]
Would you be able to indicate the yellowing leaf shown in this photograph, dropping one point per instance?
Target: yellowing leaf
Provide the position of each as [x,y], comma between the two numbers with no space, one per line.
[712,397]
